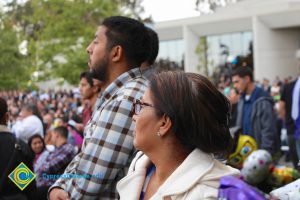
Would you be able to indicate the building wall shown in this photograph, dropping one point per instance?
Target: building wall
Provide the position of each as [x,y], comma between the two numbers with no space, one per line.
[274,51]
[275,26]
[191,41]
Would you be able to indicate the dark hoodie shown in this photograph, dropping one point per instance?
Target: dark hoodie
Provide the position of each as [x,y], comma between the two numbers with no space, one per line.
[262,121]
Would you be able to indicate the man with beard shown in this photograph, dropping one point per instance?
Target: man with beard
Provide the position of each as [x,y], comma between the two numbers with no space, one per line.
[120,45]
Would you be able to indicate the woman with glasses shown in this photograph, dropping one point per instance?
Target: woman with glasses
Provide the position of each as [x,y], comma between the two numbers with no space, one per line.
[181,122]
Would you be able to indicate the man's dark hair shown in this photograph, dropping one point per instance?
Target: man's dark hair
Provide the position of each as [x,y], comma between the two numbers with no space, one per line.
[88,76]
[190,100]
[62,131]
[243,71]
[154,46]
[131,35]
[3,108]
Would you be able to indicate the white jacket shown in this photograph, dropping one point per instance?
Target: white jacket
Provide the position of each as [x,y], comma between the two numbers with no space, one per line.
[196,178]
[28,127]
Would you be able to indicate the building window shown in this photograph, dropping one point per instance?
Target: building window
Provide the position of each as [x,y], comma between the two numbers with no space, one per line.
[229,49]
[171,52]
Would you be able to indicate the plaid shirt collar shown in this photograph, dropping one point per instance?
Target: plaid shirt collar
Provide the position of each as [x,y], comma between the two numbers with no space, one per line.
[119,82]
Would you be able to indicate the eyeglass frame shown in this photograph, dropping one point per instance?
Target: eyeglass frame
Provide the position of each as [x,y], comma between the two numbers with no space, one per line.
[138,102]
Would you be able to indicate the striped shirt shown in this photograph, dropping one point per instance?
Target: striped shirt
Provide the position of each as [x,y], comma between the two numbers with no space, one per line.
[108,141]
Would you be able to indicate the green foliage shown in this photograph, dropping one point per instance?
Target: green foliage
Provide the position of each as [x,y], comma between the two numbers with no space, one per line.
[57,32]
[201,51]
[209,6]
[13,72]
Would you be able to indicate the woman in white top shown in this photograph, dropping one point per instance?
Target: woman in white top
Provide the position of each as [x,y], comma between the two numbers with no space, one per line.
[181,121]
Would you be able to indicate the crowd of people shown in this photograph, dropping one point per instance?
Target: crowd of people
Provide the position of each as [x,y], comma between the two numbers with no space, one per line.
[133,133]
[278,116]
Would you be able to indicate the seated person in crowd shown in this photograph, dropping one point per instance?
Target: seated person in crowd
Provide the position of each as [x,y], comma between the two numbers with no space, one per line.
[37,145]
[40,149]
[56,161]
[28,123]
[181,121]
[74,137]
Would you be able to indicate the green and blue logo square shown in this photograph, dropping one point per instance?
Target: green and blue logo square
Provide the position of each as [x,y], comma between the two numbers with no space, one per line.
[22,176]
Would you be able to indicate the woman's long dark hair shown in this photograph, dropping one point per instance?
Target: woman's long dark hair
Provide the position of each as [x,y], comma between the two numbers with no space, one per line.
[198,111]
[36,136]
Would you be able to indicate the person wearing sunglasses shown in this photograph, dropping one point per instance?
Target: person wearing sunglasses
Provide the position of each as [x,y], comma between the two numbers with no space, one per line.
[181,122]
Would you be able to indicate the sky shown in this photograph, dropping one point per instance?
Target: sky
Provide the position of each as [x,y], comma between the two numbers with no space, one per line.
[164,10]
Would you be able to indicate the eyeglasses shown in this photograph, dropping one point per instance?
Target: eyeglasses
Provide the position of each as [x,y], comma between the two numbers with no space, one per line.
[138,105]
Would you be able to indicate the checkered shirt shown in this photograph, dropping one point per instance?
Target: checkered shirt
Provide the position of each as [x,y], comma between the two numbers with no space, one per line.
[108,141]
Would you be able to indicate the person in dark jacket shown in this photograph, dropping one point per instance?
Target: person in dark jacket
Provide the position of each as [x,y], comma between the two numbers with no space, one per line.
[255,115]
[286,108]
[12,153]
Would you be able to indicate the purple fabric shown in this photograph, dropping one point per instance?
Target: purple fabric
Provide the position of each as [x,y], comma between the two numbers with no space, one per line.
[235,189]
[297,128]
[78,139]
[297,121]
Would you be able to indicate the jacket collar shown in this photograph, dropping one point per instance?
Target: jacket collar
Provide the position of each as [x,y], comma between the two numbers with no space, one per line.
[192,169]
[4,128]
[120,81]
[135,178]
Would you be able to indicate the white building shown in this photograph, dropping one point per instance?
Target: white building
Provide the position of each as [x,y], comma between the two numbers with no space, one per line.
[272,25]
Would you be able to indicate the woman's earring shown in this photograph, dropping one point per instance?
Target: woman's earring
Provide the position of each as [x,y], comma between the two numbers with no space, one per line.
[158,134]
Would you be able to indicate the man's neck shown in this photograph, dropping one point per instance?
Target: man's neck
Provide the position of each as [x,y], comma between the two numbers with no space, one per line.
[250,88]
[113,74]
[93,100]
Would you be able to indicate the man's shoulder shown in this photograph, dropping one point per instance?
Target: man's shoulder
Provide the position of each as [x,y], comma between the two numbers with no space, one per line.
[33,120]
[10,142]
[6,135]
[263,96]
[290,86]
[7,140]
[137,82]
[133,88]
[262,100]
[67,148]
[58,153]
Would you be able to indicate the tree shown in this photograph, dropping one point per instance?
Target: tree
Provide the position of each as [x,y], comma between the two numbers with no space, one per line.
[201,51]
[13,73]
[58,32]
[209,6]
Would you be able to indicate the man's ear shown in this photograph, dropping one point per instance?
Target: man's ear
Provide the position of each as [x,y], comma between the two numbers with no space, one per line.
[165,125]
[117,53]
